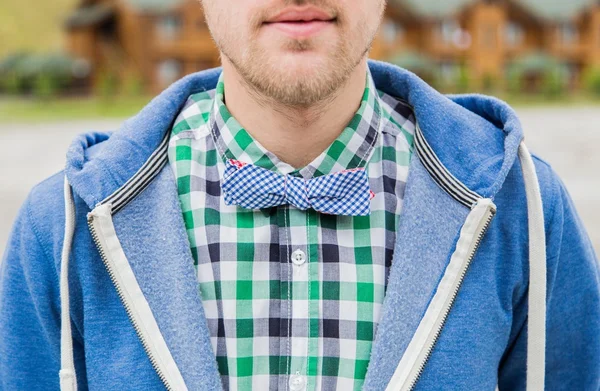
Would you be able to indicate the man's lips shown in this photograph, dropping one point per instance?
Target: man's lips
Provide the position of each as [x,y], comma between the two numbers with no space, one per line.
[301,23]
[309,14]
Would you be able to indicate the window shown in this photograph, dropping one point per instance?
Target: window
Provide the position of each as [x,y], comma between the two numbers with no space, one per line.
[391,31]
[568,33]
[514,34]
[169,27]
[447,31]
[168,71]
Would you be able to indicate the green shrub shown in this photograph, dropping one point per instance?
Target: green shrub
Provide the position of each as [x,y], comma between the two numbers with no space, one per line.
[592,82]
[435,81]
[463,81]
[514,85]
[554,83]
[108,85]
[11,80]
[133,86]
[11,83]
[488,83]
[42,74]
[514,80]
[46,86]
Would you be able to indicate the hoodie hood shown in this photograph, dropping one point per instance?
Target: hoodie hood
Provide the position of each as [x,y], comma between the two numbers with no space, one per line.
[476,138]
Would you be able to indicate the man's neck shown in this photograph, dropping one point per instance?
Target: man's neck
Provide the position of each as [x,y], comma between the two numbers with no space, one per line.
[295,135]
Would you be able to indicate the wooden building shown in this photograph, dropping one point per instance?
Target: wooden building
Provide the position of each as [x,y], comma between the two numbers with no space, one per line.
[159,41]
[153,41]
[489,37]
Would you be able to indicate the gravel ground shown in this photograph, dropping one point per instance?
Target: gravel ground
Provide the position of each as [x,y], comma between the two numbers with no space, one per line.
[566,138]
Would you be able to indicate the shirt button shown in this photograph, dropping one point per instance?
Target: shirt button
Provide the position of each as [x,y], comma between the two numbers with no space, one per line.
[297,382]
[298,257]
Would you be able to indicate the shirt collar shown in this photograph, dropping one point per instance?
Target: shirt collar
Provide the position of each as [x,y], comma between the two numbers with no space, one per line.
[351,149]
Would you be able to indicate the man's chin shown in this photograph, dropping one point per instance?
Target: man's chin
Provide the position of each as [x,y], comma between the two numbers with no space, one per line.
[299,75]
[300,62]
[300,85]
[295,78]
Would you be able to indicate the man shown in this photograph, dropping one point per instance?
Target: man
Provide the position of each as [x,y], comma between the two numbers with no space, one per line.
[301,220]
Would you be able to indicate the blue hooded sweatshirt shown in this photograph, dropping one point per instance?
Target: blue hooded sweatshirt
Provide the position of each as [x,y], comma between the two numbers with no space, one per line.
[491,285]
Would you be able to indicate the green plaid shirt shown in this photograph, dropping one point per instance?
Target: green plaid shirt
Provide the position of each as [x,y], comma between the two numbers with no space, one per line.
[292,298]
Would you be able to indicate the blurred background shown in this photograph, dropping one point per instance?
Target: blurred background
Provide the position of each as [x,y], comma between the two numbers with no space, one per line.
[71,66]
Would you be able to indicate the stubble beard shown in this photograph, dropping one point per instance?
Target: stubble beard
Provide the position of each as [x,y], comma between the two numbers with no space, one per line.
[295,87]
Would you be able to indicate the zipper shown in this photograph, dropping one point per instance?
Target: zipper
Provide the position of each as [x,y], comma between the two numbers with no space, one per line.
[111,273]
[482,229]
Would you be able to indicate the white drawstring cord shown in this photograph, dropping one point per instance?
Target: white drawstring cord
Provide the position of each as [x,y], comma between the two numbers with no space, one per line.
[536,322]
[68,379]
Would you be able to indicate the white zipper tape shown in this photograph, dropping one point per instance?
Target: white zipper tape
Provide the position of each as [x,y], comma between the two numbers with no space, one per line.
[417,353]
[134,300]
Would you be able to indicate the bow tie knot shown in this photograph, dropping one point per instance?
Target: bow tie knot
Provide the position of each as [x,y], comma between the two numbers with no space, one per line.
[252,187]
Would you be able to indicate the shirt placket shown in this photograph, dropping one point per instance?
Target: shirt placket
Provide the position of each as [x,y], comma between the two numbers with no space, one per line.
[299,298]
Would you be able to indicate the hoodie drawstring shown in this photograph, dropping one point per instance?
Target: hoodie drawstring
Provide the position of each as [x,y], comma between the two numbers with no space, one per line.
[536,320]
[68,379]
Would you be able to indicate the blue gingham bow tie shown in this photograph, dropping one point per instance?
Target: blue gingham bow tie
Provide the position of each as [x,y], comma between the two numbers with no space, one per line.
[344,193]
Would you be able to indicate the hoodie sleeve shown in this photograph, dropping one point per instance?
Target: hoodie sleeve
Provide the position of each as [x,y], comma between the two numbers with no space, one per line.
[30,306]
[573,303]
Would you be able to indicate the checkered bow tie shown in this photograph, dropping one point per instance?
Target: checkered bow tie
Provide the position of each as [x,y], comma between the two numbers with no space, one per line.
[344,193]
